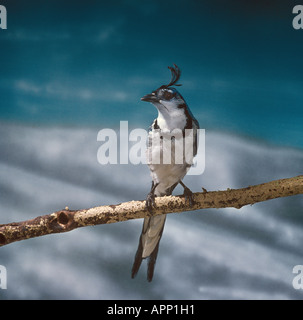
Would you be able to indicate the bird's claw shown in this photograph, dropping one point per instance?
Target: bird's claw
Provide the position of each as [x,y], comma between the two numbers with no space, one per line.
[189,196]
[150,202]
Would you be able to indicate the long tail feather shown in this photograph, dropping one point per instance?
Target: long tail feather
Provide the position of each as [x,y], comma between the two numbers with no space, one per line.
[152,260]
[149,241]
[138,259]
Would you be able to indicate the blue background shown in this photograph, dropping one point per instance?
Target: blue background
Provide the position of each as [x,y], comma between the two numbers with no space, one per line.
[71,68]
[89,64]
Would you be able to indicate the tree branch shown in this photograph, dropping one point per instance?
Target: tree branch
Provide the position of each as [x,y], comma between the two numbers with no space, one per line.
[67,220]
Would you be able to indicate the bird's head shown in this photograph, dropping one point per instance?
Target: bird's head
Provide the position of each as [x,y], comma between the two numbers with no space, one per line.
[166,98]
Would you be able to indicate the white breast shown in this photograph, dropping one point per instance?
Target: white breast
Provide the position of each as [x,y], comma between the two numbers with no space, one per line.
[166,160]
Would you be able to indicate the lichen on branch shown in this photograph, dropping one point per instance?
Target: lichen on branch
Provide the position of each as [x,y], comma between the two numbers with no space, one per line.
[66,220]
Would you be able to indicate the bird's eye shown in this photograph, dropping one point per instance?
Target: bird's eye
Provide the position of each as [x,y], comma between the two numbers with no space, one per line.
[167,95]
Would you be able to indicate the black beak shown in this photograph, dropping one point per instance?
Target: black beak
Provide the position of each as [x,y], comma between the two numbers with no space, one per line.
[151,97]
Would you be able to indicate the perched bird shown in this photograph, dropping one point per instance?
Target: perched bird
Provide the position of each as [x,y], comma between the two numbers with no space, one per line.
[173,113]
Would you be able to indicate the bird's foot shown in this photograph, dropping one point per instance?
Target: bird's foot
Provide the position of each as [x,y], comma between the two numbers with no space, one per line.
[150,202]
[189,196]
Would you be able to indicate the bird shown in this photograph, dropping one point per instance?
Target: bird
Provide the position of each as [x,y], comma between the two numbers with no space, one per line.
[173,113]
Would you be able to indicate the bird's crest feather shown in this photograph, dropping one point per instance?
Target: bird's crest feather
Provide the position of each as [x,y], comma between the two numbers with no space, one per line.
[175,76]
